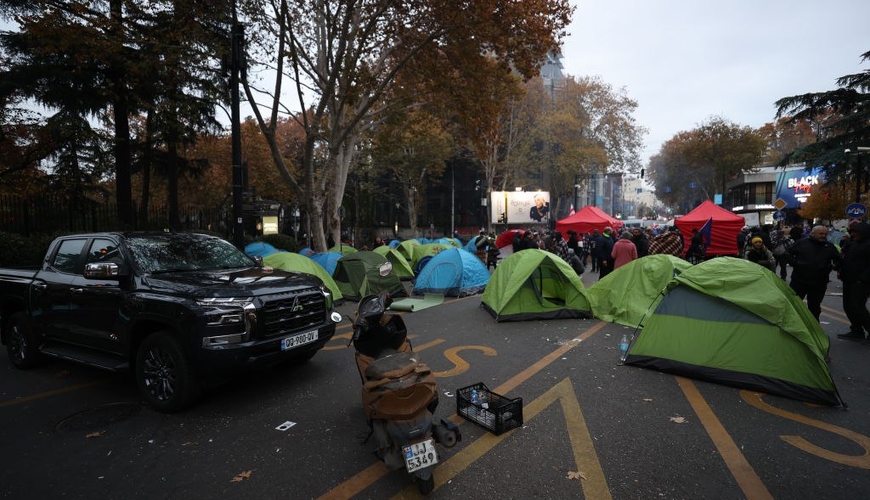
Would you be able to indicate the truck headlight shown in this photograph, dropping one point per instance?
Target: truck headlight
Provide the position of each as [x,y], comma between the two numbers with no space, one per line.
[233,318]
[327,297]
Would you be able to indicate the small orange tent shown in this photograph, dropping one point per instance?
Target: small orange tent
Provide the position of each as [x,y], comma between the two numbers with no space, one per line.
[587,219]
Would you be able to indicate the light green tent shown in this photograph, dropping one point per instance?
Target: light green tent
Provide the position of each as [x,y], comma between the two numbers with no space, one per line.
[406,248]
[734,322]
[625,295]
[357,276]
[295,262]
[343,249]
[534,284]
[400,265]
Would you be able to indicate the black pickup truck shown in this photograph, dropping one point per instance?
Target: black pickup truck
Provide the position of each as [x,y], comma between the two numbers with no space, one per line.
[180,310]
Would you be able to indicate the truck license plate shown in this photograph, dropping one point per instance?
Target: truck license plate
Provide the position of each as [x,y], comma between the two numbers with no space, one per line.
[298,340]
[420,455]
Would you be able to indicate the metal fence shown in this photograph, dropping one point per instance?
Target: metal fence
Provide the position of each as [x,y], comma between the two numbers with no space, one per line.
[57,214]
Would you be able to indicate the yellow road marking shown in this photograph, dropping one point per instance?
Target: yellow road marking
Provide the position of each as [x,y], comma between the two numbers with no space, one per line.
[860,461]
[743,473]
[594,485]
[366,478]
[55,392]
[459,364]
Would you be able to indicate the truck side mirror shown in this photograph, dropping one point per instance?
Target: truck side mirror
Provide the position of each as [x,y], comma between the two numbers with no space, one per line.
[102,270]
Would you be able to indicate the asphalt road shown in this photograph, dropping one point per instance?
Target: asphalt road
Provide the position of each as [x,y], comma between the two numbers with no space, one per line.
[593,429]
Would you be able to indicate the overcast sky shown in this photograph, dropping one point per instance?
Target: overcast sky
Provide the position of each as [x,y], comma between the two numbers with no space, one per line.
[685,61]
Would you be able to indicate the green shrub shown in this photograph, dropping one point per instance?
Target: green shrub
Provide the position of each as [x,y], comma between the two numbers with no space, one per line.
[23,251]
[281,242]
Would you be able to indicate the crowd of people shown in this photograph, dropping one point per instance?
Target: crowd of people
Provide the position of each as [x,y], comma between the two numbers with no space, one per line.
[807,251]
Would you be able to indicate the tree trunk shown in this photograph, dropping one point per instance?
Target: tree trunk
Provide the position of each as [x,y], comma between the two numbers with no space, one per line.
[123,168]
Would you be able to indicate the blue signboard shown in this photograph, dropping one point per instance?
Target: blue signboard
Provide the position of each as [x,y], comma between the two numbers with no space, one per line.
[778,215]
[856,211]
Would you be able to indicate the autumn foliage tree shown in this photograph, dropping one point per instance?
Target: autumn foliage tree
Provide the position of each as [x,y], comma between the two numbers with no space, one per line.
[343,58]
[695,165]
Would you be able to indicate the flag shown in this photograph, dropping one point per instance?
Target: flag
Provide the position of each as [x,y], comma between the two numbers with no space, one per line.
[571,211]
[707,232]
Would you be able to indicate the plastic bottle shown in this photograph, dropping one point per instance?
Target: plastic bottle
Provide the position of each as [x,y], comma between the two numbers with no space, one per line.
[623,347]
[472,408]
[475,397]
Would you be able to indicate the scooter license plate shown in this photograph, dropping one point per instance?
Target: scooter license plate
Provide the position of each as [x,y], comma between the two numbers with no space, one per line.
[420,455]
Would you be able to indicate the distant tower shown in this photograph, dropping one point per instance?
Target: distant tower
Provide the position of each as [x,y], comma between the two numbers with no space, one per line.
[551,73]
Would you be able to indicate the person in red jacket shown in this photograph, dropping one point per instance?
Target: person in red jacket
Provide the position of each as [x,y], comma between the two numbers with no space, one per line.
[624,251]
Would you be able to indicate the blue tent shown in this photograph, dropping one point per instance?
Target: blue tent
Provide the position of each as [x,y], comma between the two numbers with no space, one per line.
[307,251]
[260,249]
[454,272]
[327,260]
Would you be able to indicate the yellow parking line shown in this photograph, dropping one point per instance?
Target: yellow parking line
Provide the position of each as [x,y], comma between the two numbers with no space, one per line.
[42,395]
[743,473]
[358,483]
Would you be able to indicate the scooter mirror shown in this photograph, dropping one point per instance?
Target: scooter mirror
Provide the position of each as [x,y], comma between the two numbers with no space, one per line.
[385,268]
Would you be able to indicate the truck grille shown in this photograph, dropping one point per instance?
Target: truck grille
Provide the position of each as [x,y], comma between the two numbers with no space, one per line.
[292,312]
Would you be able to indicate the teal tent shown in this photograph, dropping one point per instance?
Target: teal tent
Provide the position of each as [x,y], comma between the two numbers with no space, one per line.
[423,253]
[625,295]
[299,263]
[734,322]
[326,260]
[535,284]
[454,273]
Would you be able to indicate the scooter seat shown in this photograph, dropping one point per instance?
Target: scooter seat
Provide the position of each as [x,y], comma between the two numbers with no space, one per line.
[392,366]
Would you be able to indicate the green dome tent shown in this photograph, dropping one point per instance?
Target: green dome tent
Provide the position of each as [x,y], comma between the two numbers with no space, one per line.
[295,262]
[343,249]
[534,284]
[406,248]
[400,265]
[357,276]
[625,295]
[734,322]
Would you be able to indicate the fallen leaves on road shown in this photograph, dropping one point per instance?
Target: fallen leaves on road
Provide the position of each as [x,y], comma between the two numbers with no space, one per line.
[94,434]
[679,420]
[241,476]
[576,475]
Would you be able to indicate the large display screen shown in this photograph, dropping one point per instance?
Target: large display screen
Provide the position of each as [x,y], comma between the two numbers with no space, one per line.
[794,186]
[520,207]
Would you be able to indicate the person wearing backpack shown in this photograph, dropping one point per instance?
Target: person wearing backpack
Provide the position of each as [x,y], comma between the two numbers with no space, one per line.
[781,243]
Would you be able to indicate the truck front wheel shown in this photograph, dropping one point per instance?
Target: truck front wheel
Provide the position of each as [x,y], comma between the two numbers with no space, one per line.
[20,343]
[164,375]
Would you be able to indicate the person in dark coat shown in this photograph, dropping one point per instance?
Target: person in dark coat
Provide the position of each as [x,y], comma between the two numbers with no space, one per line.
[638,237]
[812,260]
[855,275]
[603,249]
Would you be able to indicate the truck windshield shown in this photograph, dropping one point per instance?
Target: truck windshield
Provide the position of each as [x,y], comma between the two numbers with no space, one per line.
[185,252]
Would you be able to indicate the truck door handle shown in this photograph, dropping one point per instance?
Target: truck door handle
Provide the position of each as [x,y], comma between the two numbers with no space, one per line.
[40,287]
[76,291]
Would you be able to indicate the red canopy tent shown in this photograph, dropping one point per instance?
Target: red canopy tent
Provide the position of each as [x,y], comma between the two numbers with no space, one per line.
[586,219]
[724,226]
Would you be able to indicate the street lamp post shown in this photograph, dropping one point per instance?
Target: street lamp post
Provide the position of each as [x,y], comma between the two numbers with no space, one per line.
[236,58]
